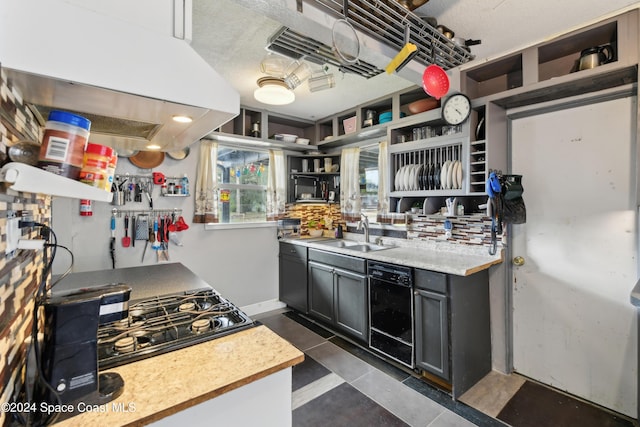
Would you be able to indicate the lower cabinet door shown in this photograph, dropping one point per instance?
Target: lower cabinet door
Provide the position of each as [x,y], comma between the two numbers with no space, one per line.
[293,282]
[350,301]
[320,291]
[432,333]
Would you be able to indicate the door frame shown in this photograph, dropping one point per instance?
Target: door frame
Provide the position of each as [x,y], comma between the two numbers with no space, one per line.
[543,108]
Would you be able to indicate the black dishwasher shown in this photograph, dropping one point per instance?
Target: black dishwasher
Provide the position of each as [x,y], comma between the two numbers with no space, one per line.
[391,311]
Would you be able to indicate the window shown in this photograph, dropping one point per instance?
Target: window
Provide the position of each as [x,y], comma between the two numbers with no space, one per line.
[368,169]
[242,181]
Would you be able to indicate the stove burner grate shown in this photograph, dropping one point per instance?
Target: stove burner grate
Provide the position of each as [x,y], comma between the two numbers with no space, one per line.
[166,323]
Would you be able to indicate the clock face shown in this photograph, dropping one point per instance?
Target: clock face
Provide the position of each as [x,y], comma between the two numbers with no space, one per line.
[456,109]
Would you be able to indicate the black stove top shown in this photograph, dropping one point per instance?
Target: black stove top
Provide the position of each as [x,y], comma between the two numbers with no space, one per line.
[166,323]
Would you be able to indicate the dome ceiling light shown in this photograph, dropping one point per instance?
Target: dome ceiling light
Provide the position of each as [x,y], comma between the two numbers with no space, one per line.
[273,91]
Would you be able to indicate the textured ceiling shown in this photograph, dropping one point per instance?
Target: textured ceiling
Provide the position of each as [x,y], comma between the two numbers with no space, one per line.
[232,34]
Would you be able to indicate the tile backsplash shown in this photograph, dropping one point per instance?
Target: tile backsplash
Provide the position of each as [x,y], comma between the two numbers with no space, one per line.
[20,271]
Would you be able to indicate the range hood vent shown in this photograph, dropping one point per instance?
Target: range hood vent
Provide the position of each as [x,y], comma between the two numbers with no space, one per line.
[128,80]
[290,43]
[387,20]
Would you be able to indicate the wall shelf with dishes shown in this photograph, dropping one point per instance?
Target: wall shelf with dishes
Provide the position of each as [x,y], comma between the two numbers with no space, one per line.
[262,128]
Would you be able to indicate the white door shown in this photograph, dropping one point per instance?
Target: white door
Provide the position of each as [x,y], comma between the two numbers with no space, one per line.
[573,324]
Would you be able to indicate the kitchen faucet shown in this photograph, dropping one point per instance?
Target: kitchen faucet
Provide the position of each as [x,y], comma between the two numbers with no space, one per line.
[364,223]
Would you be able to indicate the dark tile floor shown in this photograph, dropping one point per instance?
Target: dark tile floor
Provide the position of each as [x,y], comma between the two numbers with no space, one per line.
[341,384]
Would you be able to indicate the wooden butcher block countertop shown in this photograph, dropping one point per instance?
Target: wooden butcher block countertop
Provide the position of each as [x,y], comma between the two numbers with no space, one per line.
[163,385]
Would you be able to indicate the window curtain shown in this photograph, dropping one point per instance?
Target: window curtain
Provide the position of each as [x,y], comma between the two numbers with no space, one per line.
[206,193]
[383,177]
[276,186]
[350,201]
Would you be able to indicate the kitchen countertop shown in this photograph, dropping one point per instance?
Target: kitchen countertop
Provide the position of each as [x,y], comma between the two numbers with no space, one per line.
[166,384]
[461,260]
[145,281]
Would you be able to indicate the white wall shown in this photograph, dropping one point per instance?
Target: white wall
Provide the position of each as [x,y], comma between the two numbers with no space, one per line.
[242,264]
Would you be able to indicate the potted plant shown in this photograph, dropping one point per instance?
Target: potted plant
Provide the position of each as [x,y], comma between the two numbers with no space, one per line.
[316,227]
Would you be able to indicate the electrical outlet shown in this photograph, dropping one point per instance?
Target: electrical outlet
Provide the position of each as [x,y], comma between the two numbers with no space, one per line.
[13,234]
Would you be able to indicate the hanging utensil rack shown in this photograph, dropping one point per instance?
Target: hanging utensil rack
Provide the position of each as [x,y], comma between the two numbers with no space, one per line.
[151,212]
[387,21]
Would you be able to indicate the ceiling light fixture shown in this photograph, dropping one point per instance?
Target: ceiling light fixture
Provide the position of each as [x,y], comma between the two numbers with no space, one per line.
[273,91]
[182,119]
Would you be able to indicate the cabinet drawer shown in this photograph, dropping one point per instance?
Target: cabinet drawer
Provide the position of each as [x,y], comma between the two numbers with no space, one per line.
[338,260]
[430,280]
[297,251]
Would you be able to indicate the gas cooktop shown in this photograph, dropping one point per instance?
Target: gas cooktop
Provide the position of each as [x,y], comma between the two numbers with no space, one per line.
[167,323]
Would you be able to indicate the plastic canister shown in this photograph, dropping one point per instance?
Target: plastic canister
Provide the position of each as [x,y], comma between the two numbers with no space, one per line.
[95,165]
[111,170]
[63,144]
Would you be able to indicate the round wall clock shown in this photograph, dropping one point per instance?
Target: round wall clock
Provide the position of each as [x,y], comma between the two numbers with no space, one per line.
[456,109]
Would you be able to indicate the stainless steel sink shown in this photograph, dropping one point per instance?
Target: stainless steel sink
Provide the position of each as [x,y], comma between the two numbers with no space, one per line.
[354,245]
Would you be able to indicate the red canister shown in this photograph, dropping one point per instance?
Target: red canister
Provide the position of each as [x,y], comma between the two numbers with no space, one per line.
[95,165]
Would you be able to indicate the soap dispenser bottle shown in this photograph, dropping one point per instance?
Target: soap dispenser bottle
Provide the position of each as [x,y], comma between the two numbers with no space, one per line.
[338,233]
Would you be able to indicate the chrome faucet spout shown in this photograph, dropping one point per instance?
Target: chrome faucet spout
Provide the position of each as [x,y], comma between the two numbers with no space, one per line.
[364,224]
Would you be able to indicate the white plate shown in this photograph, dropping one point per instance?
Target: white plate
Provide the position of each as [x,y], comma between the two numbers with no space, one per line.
[450,183]
[407,175]
[403,170]
[443,175]
[459,174]
[412,177]
[452,171]
[396,180]
[454,175]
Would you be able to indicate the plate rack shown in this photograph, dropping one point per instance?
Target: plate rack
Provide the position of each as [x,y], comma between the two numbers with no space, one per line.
[401,180]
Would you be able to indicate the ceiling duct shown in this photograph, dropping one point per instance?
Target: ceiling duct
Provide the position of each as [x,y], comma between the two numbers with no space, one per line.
[290,43]
[387,22]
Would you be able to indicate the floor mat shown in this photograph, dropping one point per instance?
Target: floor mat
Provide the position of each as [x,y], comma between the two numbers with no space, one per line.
[344,406]
[535,405]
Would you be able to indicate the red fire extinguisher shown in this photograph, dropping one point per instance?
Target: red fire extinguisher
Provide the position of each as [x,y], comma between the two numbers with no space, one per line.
[85,207]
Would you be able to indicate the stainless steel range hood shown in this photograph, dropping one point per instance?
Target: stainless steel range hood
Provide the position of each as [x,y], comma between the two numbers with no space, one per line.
[128,80]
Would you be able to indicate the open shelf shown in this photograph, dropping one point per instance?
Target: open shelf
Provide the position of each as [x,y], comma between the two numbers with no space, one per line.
[30,179]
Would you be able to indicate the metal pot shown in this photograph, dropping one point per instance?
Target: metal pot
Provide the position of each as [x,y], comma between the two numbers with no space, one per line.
[595,56]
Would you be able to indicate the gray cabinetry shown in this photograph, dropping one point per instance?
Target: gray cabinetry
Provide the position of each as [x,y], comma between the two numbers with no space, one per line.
[338,292]
[453,340]
[293,276]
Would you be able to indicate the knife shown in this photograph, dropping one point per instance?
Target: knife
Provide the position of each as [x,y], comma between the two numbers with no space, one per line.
[112,244]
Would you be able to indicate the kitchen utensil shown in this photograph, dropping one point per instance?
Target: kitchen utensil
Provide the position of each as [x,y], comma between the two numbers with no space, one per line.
[595,56]
[112,243]
[147,159]
[435,81]
[126,240]
[345,41]
[423,105]
[180,154]
[133,230]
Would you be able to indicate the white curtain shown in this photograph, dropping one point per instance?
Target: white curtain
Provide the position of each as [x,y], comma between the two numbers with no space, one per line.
[206,193]
[276,186]
[383,177]
[350,184]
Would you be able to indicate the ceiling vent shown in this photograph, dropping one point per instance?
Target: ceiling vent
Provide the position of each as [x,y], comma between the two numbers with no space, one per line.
[297,46]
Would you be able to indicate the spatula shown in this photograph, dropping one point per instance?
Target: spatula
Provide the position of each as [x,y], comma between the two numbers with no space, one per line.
[126,240]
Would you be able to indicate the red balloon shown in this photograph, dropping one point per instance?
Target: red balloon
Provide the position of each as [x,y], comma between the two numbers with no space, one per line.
[435,81]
